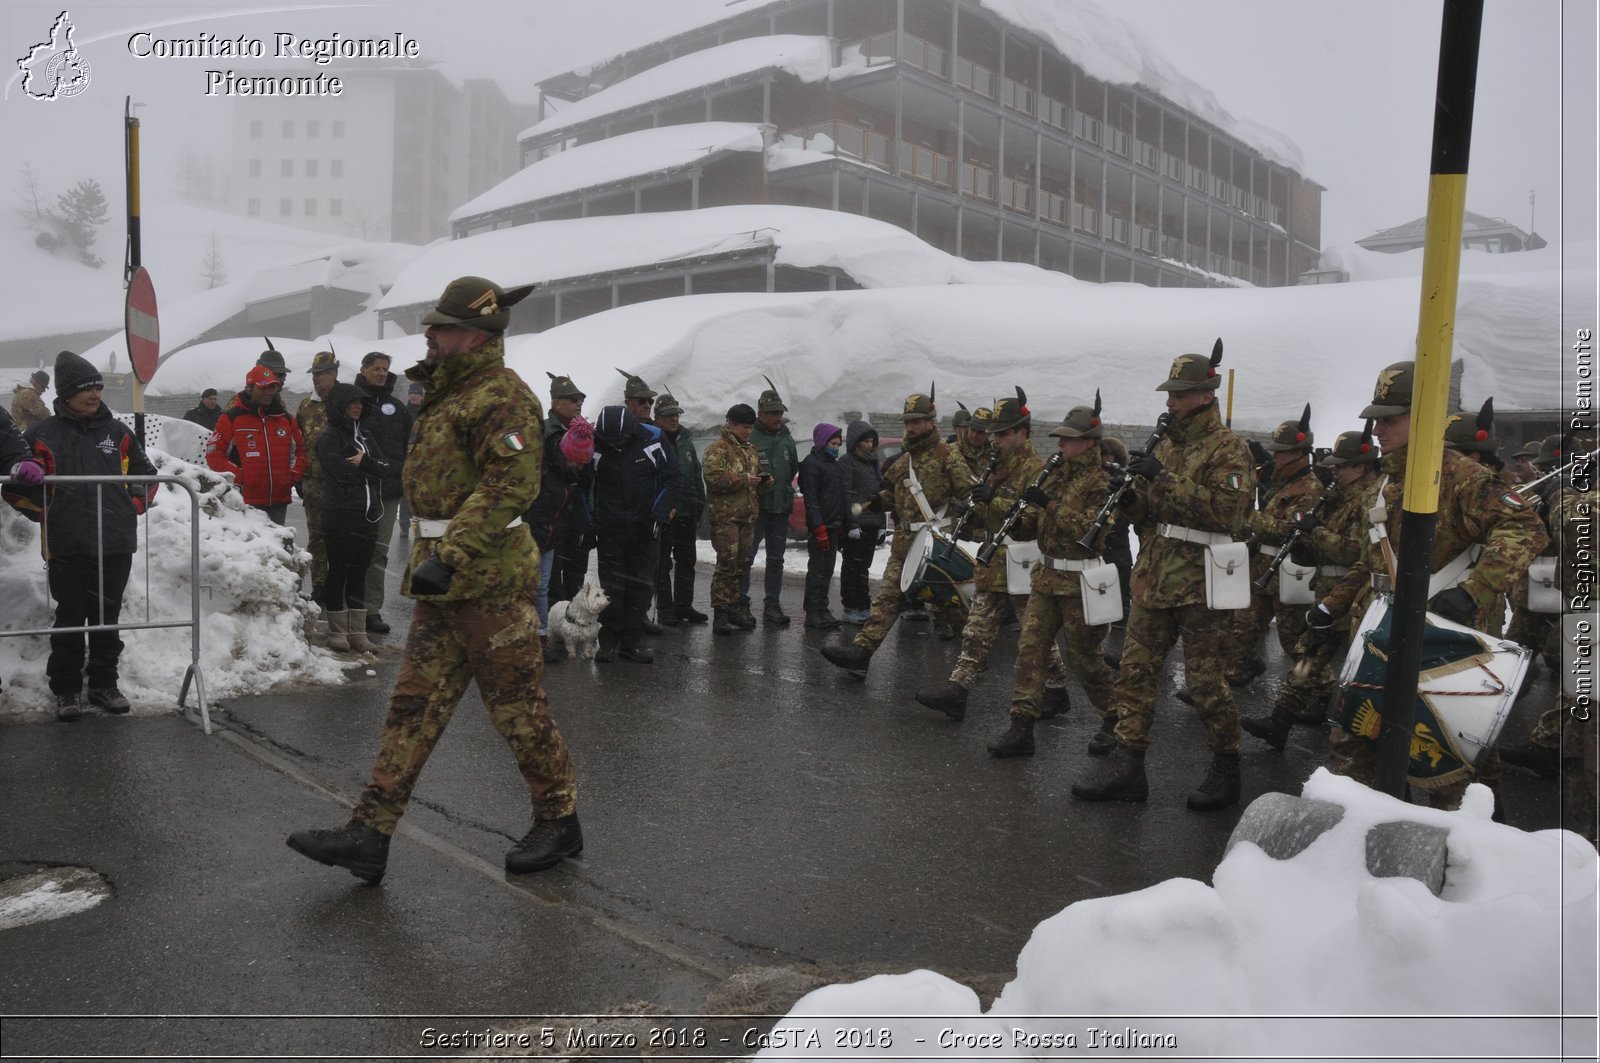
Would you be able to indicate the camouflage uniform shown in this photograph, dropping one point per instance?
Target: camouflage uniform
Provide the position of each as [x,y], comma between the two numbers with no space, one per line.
[1012,475]
[476,464]
[313,417]
[944,477]
[731,507]
[27,408]
[1055,603]
[1207,484]
[1286,502]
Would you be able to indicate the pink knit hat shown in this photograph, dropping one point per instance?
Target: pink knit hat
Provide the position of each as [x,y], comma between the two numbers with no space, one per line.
[577,445]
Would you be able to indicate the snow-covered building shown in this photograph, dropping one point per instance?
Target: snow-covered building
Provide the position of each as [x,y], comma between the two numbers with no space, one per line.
[1011,130]
[1494,235]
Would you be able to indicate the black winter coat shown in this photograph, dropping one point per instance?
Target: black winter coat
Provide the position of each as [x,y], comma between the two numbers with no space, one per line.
[101,445]
[352,496]
[388,422]
[635,472]
[860,479]
[204,417]
[823,489]
[13,448]
[562,508]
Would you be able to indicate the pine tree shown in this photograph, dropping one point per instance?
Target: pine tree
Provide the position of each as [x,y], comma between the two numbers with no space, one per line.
[82,210]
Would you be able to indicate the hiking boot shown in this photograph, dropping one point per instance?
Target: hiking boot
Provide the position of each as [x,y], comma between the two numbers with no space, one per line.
[637,654]
[109,699]
[546,844]
[376,624]
[1056,702]
[1247,675]
[1544,761]
[1220,787]
[1273,730]
[773,613]
[1016,740]
[851,657]
[1120,778]
[358,848]
[339,631]
[824,620]
[67,707]
[689,614]
[739,613]
[1104,741]
[356,631]
[721,624]
[950,699]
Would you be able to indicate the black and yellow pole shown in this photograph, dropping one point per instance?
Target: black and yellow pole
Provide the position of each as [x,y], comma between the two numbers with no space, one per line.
[130,145]
[1441,270]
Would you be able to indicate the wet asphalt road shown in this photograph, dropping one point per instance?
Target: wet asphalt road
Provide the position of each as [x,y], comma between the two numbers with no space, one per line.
[744,804]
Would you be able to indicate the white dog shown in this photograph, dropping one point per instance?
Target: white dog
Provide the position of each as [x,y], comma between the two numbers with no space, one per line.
[576,623]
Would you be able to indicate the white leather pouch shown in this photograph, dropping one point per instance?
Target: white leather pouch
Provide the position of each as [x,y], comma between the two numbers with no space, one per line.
[1101,588]
[1228,576]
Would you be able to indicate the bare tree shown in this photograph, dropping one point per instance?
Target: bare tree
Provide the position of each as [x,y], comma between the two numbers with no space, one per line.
[212,269]
[32,195]
[195,175]
[361,222]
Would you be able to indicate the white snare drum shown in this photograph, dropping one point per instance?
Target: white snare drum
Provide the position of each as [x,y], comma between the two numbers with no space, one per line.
[916,559]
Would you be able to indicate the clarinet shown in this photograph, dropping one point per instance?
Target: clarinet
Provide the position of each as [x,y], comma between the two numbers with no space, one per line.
[1289,543]
[960,526]
[987,551]
[1091,538]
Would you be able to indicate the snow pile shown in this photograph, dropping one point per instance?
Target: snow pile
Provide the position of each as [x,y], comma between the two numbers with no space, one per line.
[1202,971]
[251,612]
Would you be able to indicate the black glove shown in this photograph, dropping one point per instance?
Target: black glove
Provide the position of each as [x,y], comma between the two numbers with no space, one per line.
[1307,523]
[959,507]
[1035,496]
[1302,554]
[1455,604]
[1143,464]
[432,577]
[1319,627]
[982,493]
[1128,499]
[1115,474]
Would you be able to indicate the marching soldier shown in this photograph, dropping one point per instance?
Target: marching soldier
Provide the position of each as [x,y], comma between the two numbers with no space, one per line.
[312,416]
[732,471]
[1059,515]
[473,571]
[1017,467]
[1194,495]
[917,487]
[1485,538]
[1335,543]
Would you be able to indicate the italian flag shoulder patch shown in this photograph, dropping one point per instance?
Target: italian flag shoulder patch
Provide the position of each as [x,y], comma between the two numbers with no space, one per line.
[514,441]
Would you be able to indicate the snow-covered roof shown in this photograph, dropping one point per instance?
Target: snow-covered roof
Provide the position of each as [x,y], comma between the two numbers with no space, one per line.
[874,253]
[807,58]
[1086,33]
[1471,223]
[646,151]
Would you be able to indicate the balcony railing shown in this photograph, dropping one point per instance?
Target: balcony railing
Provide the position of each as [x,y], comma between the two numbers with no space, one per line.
[842,138]
[1016,95]
[977,182]
[924,165]
[975,78]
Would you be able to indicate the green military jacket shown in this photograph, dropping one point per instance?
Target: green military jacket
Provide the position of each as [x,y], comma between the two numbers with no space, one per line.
[977,458]
[1338,541]
[691,500]
[1077,490]
[1207,484]
[313,418]
[943,475]
[783,462]
[476,463]
[1271,524]
[1475,508]
[730,496]
[1012,475]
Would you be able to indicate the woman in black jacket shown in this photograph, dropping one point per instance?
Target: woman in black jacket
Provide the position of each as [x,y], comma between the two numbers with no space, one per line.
[353,469]
[825,516]
[561,510]
[858,472]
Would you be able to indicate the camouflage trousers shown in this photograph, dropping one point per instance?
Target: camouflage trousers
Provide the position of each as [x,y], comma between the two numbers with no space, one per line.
[1311,679]
[733,543]
[450,644]
[1046,616]
[1355,757]
[1250,627]
[317,545]
[977,638]
[886,604]
[1152,632]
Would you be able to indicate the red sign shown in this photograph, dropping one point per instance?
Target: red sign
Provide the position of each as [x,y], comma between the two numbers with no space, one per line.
[143,330]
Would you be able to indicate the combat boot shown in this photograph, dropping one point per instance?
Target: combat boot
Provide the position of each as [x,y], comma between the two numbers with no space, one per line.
[109,699]
[1220,787]
[360,849]
[68,708]
[356,631]
[1247,675]
[692,615]
[950,699]
[773,613]
[1016,740]
[547,843]
[1183,695]
[720,624]
[376,624]
[1273,730]
[1103,741]
[850,656]
[1056,702]
[742,617]
[339,631]
[1120,778]
[824,620]
[609,643]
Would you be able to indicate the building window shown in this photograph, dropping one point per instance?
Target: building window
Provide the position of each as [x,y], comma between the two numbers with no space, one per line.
[338,127]
[336,168]
[255,167]
[288,128]
[313,128]
[255,129]
[311,208]
[285,207]
[311,167]
[336,207]
[253,208]
[286,168]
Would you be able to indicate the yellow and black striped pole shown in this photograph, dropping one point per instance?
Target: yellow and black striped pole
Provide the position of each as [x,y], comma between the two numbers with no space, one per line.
[130,153]
[1441,270]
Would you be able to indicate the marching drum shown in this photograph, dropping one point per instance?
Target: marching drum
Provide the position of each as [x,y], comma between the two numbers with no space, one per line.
[1465,688]
[937,571]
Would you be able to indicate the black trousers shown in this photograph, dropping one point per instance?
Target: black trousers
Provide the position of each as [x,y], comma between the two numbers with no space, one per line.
[75,588]
[627,563]
[856,560]
[349,557]
[675,570]
[571,565]
[819,571]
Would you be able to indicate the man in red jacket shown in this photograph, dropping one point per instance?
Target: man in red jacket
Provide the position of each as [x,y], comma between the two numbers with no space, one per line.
[258,441]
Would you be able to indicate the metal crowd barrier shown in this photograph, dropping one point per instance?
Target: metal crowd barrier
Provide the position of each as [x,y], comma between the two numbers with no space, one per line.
[193,623]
